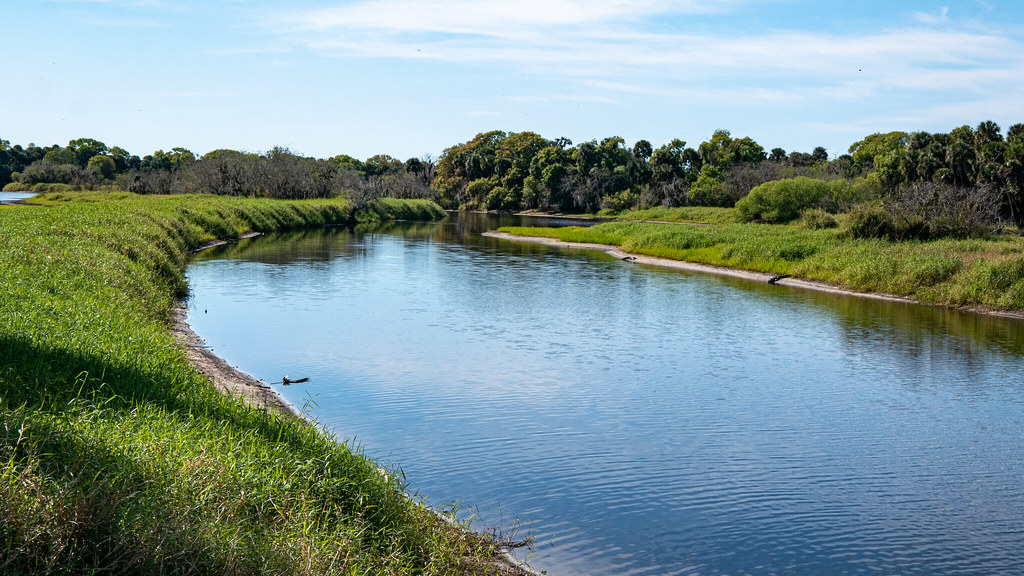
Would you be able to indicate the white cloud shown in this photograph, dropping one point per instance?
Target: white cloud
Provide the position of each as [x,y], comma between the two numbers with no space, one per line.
[615,52]
[124,23]
[251,51]
[933,18]
[497,18]
[134,3]
[969,111]
[607,38]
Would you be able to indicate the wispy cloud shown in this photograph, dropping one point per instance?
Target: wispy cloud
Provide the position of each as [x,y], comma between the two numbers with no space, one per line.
[498,18]
[134,3]
[125,22]
[250,51]
[932,17]
[613,32]
[608,40]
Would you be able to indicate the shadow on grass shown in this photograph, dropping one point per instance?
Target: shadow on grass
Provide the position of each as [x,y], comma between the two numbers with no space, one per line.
[103,513]
[49,379]
[124,510]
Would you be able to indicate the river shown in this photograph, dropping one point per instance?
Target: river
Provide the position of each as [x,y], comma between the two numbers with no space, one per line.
[637,420]
[12,196]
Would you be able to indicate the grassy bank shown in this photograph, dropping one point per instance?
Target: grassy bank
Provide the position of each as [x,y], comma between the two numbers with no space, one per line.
[116,456]
[959,273]
[692,214]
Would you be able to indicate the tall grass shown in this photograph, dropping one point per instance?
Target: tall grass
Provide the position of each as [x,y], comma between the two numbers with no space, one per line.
[116,456]
[695,214]
[959,273]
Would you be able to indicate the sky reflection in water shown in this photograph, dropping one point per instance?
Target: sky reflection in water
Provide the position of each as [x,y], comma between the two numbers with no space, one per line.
[639,420]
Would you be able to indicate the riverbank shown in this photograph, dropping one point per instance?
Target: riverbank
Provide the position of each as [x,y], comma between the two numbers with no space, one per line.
[953,273]
[224,377]
[118,455]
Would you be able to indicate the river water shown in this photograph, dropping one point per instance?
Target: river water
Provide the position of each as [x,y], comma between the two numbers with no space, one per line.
[8,196]
[637,420]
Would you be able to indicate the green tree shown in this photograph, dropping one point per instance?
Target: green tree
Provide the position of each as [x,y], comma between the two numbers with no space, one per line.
[864,151]
[723,151]
[122,159]
[715,151]
[669,162]
[167,161]
[182,157]
[6,162]
[987,132]
[709,189]
[349,163]
[614,155]
[513,158]
[642,150]
[961,157]
[459,165]
[85,148]
[545,187]
[101,166]
[1015,134]
[1013,176]
[746,150]
[61,156]
[382,165]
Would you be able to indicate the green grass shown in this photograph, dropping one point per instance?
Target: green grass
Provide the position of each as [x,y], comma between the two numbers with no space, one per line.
[958,273]
[116,456]
[695,214]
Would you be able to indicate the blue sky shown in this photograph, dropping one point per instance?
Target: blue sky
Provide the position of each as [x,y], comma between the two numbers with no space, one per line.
[409,78]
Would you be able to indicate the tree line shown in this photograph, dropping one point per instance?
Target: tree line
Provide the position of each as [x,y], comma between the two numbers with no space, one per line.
[523,171]
[908,173]
[86,163]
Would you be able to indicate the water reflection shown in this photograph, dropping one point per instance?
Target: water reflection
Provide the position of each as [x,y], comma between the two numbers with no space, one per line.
[642,420]
[8,196]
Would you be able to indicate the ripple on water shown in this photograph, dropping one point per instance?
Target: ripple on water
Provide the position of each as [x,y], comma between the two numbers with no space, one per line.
[639,421]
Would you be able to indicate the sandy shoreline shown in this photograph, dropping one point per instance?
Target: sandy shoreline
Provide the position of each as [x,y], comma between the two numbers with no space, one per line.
[734,272]
[223,376]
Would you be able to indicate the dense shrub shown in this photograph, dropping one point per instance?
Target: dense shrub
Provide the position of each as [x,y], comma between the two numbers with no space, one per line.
[782,200]
[817,219]
[670,194]
[869,220]
[946,210]
[928,210]
[708,189]
[621,200]
[742,178]
[46,172]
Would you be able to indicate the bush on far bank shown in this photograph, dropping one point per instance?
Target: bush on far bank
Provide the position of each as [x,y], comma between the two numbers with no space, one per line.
[928,210]
[782,200]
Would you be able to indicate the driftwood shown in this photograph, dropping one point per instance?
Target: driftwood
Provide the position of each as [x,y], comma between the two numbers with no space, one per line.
[286,380]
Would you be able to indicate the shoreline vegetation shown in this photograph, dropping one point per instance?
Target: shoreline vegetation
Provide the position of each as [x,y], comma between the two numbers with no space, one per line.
[118,455]
[979,275]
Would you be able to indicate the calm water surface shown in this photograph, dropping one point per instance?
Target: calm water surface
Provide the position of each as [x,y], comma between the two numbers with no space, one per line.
[5,196]
[636,420]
